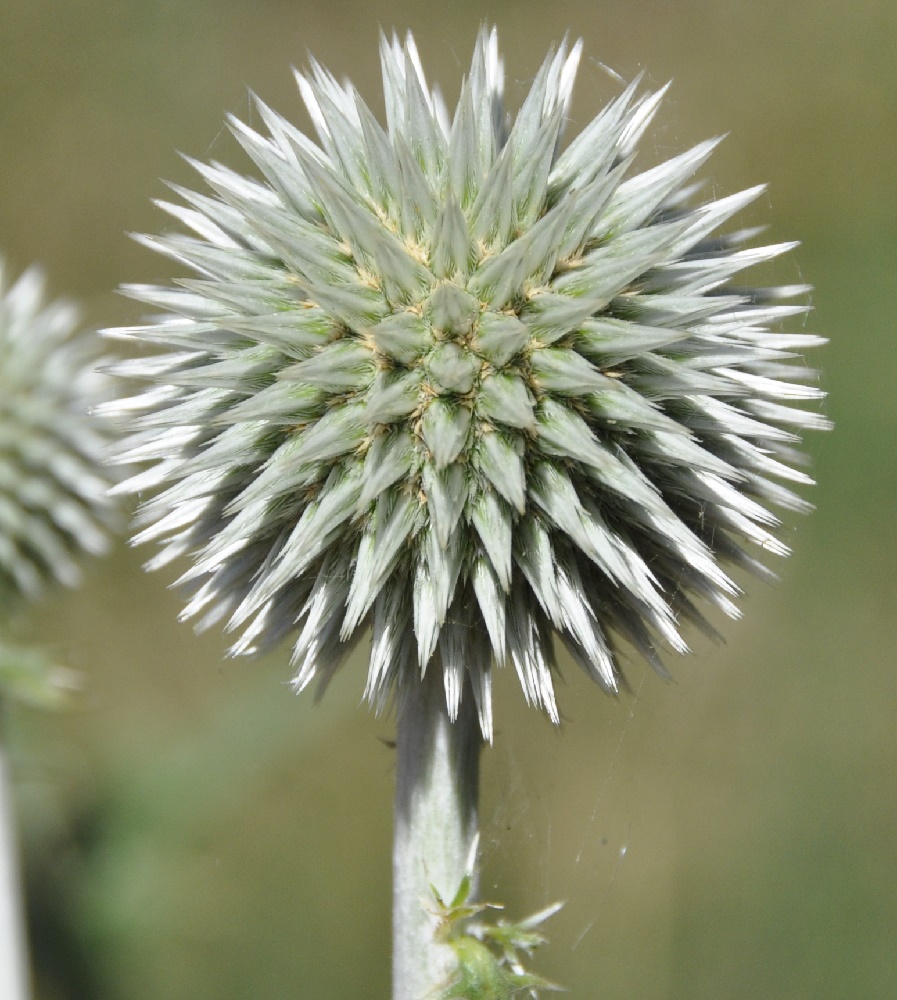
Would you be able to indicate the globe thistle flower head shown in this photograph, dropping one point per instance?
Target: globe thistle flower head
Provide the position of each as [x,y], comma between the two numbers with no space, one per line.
[453,380]
[53,485]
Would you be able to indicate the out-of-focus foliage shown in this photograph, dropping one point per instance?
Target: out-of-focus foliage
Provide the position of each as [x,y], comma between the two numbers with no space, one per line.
[195,832]
[30,676]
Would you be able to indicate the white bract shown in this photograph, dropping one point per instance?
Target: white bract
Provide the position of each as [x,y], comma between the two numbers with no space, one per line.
[453,381]
[53,486]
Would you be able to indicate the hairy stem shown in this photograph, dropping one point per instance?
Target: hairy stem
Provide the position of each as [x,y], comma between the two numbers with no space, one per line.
[437,784]
[13,960]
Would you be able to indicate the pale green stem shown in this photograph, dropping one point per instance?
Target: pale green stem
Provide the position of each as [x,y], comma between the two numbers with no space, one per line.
[437,784]
[13,955]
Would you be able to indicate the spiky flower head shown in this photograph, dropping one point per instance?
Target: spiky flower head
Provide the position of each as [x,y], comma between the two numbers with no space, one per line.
[53,483]
[449,380]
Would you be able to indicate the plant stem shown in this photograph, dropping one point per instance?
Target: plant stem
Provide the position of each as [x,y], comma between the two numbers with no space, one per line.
[437,785]
[13,960]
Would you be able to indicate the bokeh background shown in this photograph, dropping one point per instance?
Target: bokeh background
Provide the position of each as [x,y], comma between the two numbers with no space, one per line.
[194,831]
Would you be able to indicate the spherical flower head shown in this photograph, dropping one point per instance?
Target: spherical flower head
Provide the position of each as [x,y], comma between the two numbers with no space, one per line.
[456,382]
[53,484]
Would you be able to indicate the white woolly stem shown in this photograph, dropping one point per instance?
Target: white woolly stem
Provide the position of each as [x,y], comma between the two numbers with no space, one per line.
[13,956]
[437,784]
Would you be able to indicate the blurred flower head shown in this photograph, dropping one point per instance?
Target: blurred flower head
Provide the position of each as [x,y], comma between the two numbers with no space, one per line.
[463,384]
[53,486]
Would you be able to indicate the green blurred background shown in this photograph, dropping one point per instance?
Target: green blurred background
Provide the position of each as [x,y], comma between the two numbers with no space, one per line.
[194,831]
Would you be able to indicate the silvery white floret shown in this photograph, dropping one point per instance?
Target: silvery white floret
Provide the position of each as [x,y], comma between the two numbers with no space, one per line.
[452,380]
[53,483]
